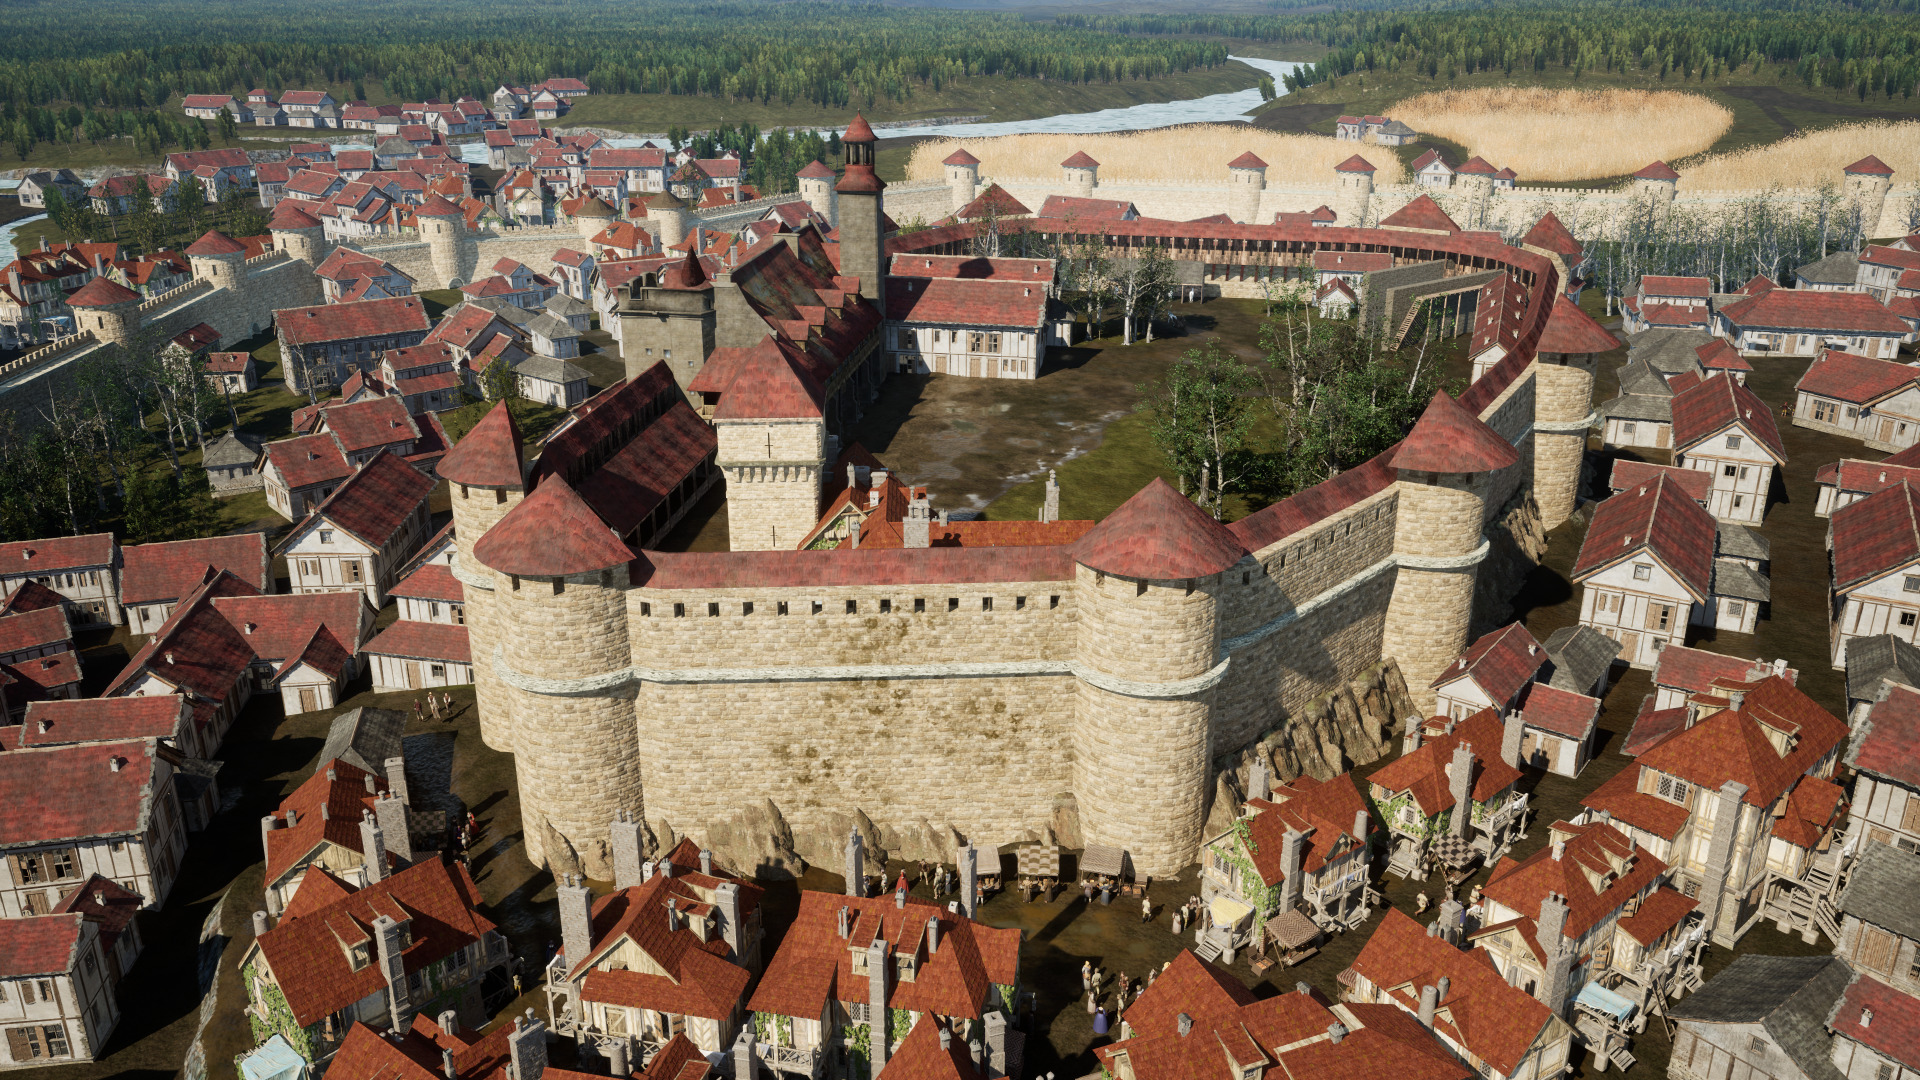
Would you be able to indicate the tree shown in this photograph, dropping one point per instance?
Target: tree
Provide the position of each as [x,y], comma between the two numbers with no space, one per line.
[1160,279]
[144,224]
[1200,420]
[1266,88]
[189,201]
[1086,272]
[229,127]
[59,210]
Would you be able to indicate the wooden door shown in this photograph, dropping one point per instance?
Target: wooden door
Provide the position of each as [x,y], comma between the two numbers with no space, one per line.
[1662,436]
[307,701]
[1886,431]
[413,675]
[1630,647]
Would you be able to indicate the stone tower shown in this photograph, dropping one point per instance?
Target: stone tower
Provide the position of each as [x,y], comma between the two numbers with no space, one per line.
[863,231]
[1867,183]
[1655,186]
[1563,406]
[485,477]
[444,229]
[1353,191]
[1246,179]
[1147,587]
[108,308]
[668,317]
[963,178]
[219,261]
[816,187]
[560,581]
[593,216]
[772,446]
[298,233]
[669,217]
[1443,467]
[1081,174]
[1476,182]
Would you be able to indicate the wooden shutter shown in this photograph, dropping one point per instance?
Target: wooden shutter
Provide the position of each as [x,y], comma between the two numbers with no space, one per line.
[18,1045]
[1910,818]
[13,868]
[1876,949]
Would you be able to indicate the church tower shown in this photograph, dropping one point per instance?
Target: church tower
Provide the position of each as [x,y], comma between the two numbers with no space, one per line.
[863,228]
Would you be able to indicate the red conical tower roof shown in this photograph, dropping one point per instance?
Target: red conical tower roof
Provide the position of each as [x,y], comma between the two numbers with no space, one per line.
[1570,330]
[960,157]
[435,206]
[817,169]
[1659,170]
[859,130]
[1160,535]
[551,534]
[101,292]
[1870,165]
[215,242]
[1449,439]
[288,215]
[1551,234]
[685,274]
[1079,160]
[489,455]
[1247,160]
[1356,163]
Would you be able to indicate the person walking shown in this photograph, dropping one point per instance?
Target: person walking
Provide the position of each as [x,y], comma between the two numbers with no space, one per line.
[1086,975]
[1146,910]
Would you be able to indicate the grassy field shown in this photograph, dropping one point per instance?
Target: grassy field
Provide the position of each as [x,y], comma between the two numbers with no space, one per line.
[1767,106]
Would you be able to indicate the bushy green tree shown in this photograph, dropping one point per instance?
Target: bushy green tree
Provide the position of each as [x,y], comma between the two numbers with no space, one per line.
[1201,414]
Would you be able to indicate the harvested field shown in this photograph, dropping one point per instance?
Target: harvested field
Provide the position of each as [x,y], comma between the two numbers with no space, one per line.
[1197,153]
[1568,135]
[1811,158]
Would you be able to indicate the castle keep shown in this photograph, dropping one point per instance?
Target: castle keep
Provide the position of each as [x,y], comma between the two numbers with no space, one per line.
[1095,688]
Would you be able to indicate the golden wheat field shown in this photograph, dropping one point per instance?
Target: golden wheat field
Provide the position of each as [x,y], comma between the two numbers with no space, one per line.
[1809,159]
[1196,153]
[1568,135]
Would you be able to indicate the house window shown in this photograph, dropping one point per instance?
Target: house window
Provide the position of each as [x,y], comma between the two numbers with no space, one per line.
[1642,572]
[1673,789]
[1736,608]
[919,605]
[1730,471]
[350,569]
[1907,618]
[439,670]
[433,610]
[1911,584]
[1626,429]
[1756,1045]
[326,536]
[1733,442]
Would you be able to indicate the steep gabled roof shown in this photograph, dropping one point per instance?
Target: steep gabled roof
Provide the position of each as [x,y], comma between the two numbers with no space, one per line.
[1875,535]
[1449,439]
[169,571]
[770,383]
[375,502]
[1656,518]
[1500,662]
[1551,234]
[1730,744]
[1159,534]
[1855,379]
[1712,405]
[1424,771]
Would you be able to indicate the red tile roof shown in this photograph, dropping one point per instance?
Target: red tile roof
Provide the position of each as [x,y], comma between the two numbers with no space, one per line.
[311,967]
[1730,745]
[1496,1022]
[968,302]
[1550,234]
[1621,799]
[552,533]
[1697,670]
[1697,288]
[1619,872]
[1719,355]
[1424,771]
[1875,535]
[30,629]
[1356,163]
[1501,662]
[307,460]
[1327,807]
[1888,741]
[370,1055]
[1872,166]
[1247,160]
[1628,473]
[101,292]
[1875,1015]
[1087,210]
[1810,811]
[57,553]
[196,650]
[73,792]
[1159,534]
[1815,311]
[1659,170]
[771,382]
[282,624]
[1667,523]
[41,945]
[695,977]
[31,596]
[1570,330]
[345,796]
[1079,160]
[375,502]
[642,474]
[396,315]
[1855,379]
[1449,439]
[1661,911]
[161,716]
[422,641]
[169,571]
[1264,528]
[921,1056]
[1421,213]
[290,216]
[1358,262]
[431,581]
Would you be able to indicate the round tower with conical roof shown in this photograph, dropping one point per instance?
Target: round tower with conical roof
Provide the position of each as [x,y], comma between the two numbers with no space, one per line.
[1867,183]
[218,260]
[449,244]
[963,178]
[594,215]
[1444,466]
[816,187]
[298,233]
[485,477]
[1563,406]
[107,308]
[1353,191]
[863,229]
[1246,179]
[560,581]
[668,216]
[1081,174]
[1147,588]
[1655,187]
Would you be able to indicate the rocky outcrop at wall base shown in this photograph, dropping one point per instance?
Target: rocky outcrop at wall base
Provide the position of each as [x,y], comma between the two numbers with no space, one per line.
[755,840]
[1353,725]
[1516,540]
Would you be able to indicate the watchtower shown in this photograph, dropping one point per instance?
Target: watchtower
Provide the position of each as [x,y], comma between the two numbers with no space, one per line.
[963,178]
[1081,174]
[816,187]
[1444,466]
[771,432]
[1563,406]
[863,232]
[298,233]
[449,243]
[108,308]
[1147,586]
[1867,183]
[669,217]
[1246,179]
[218,260]
[1655,186]
[593,216]
[1353,191]
[668,316]
[485,476]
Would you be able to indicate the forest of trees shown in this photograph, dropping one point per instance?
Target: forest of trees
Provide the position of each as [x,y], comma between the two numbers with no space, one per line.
[138,54]
[1871,49]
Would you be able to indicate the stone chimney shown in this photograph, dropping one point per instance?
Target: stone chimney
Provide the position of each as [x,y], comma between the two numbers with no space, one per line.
[1362,830]
[1185,1024]
[969,879]
[391,812]
[877,1006]
[1460,782]
[1258,786]
[1512,735]
[624,838]
[576,918]
[1551,932]
[446,1064]
[856,865]
[706,862]
[917,530]
[373,846]
[996,1025]
[260,925]
[979,1055]
[388,940]
[1292,850]
[1713,883]
[933,935]
[744,1065]
[1450,918]
[527,1047]
[449,1021]
[617,1064]
[1050,506]
[853,532]
[1429,1003]
[268,823]
[726,899]
[396,770]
